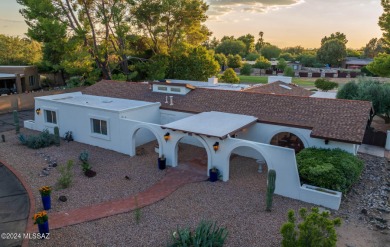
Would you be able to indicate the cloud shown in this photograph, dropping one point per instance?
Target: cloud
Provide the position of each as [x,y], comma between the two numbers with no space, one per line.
[222,7]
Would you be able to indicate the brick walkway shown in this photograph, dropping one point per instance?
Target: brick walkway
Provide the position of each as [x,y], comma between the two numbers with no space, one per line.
[174,179]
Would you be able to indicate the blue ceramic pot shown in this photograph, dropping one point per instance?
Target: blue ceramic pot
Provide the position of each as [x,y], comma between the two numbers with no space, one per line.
[46,201]
[44,229]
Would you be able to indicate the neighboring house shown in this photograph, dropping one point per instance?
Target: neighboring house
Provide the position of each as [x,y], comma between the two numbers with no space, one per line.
[19,78]
[109,114]
[355,63]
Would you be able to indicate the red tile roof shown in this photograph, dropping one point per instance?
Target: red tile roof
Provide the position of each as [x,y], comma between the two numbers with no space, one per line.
[333,119]
[280,87]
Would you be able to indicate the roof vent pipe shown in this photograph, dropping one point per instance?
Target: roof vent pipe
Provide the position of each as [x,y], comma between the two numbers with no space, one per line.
[166,99]
[171,98]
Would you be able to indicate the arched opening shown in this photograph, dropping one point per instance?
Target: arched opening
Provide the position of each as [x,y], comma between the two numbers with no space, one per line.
[288,140]
[247,164]
[192,154]
[145,142]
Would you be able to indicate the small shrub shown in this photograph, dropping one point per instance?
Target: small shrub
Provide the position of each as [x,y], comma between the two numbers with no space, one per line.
[43,139]
[83,157]
[230,76]
[66,177]
[206,234]
[288,71]
[325,85]
[331,169]
[75,81]
[315,229]
[246,69]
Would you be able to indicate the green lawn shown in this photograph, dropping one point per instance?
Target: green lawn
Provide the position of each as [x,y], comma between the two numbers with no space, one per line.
[253,79]
[264,79]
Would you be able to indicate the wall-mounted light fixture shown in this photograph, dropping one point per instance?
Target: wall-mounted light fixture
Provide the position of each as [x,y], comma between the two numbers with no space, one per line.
[38,111]
[216,146]
[326,141]
[167,136]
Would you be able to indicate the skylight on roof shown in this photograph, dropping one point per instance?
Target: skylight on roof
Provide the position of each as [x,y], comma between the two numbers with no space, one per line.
[64,98]
[286,87]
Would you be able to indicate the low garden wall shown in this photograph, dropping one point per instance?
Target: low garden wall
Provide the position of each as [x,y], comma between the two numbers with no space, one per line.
[319,196]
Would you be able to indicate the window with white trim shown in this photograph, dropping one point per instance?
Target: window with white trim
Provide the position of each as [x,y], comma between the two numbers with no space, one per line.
[99,126]
[51,116]
[159,88]
[175,89]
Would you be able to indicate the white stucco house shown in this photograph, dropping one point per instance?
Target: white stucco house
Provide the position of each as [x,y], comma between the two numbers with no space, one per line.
[270,128]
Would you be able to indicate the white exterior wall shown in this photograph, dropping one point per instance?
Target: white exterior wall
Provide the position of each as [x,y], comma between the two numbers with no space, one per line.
[123,133]
[263,133]
[77,119]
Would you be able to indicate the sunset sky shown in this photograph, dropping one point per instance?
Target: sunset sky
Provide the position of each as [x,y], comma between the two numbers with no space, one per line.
[284,22]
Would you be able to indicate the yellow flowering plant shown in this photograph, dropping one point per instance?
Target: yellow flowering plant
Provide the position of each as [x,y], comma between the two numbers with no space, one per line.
[40,217]
[45,190]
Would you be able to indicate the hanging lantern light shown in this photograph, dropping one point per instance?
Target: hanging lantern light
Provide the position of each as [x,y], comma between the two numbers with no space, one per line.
[167,136]
[216,146]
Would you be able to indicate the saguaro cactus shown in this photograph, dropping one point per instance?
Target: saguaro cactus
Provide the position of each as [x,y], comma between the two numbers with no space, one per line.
[16,121]
[270,188]
[57,136]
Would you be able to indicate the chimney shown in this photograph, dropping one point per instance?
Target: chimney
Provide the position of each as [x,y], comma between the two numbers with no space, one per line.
[213,81]
[171,98]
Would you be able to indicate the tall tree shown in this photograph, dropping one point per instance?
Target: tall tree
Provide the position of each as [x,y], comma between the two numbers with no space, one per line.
[270,51]
[169,22]
[79,18]
[373,48]
[336,35]
[192,63]
[381,65]
[260,41]
[17,51]
[233,47]
[384,23]
[332,52]
[234,61]
[249,41]
[262,63]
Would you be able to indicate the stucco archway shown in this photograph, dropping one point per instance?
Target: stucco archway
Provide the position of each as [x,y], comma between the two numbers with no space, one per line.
[201,141]
[151,130]
[248,145]
[245,161]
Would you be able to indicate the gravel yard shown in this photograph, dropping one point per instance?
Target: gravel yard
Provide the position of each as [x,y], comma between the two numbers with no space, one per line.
[111,168]
[238,205]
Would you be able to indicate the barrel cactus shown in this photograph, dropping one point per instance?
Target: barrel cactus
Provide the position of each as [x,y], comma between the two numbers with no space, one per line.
[270,188]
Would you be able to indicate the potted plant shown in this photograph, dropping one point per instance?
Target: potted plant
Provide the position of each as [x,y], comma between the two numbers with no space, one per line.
[161,162]
[42,220]
[45,195]
[87,169]
[214,173]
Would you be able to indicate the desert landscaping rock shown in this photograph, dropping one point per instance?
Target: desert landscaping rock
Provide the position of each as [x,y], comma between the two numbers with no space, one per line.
[63,198]
[238,205]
